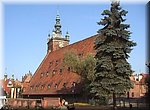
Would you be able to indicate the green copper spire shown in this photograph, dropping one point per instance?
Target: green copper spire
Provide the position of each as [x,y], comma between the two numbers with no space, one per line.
[57,25]
[67,35]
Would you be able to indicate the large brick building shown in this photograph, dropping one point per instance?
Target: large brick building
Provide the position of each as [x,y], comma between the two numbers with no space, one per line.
[53,79]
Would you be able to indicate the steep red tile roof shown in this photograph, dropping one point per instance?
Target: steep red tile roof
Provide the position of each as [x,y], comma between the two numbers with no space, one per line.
[44,81]
[4,85]
[144,78]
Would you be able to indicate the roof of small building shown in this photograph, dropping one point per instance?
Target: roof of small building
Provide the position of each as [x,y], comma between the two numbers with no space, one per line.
[49,80]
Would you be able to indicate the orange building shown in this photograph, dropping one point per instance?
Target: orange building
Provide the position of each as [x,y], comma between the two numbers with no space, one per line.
[140,87]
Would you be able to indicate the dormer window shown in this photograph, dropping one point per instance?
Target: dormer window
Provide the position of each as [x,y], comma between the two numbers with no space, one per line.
[54,72]
[47,73]
[36,87]
[31,87]
[57,62]
[64,85]
[42,74]
[49,86]
[74,84]
[69,69]
[56,86]
[50,64]
[42,87]
[60,70]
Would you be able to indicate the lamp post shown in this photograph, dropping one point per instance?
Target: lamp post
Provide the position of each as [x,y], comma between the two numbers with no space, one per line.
[148,97]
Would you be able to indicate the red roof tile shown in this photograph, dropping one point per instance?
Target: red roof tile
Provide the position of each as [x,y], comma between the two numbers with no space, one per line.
[45,81]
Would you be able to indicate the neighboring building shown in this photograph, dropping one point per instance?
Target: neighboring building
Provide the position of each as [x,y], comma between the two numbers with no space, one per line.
[14,88]
[140,87]
[26,81]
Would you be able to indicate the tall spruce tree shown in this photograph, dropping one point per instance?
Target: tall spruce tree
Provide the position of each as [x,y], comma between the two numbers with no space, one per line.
[112,45]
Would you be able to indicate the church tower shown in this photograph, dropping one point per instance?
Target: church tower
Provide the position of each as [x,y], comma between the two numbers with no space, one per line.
[56,40]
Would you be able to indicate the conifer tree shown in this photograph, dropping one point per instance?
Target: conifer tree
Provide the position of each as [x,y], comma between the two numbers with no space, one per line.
[113,46]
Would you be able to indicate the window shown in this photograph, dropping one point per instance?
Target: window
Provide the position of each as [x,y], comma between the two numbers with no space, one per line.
[64,85]
[60,71]
[42,87]
[57,62]
[132,94]
[69,69]
[49,86]
[74,84]
[47,73]
[54,72]
[36,87]
[56,86]
[50,64]
[42,74]
[31,87]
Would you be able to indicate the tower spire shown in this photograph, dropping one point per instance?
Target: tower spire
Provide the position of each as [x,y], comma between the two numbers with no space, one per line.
[58,25]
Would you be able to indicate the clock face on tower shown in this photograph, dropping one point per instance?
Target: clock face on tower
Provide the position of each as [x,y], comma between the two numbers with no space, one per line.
[60,44]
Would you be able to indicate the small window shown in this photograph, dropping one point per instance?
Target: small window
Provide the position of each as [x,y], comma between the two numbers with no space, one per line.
[132,94]
[47,73]
[42,87]
[42,74]
[49,86]
[56,86]
[54,72]
[60,71]
[36,87]
[31,87]
[64,85]
[74,84]
[69,69]
[50,64]
[57,62]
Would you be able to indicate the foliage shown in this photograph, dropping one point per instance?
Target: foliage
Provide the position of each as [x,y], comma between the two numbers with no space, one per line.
[82,65]
[113,46]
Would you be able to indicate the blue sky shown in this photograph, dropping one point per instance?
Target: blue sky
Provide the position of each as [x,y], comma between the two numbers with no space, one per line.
[26,27]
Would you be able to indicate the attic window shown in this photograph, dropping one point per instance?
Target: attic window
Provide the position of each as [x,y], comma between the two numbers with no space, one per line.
[31,87]
[50,64]
[74,84]
[57,62]
[56,86]
[47,73]
[69,69]
[80,55]
[54,72]
[42,74]
[49,86]
[42,87]
[60,71]
[64,85]
[36,87]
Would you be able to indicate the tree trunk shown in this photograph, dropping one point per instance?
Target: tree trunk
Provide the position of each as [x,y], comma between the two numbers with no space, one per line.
[114,101]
